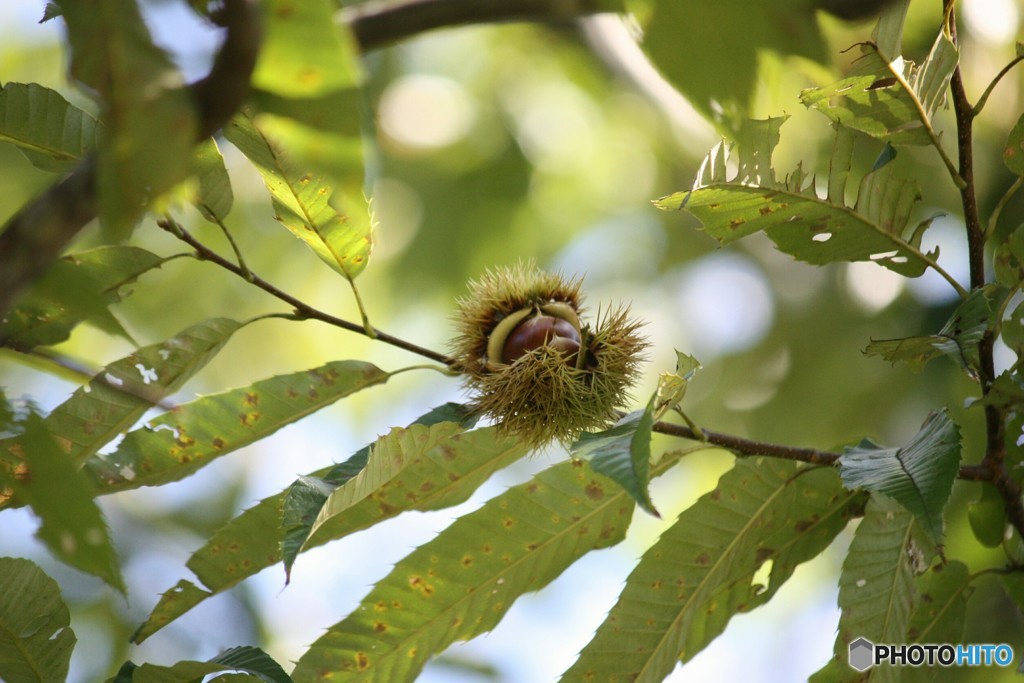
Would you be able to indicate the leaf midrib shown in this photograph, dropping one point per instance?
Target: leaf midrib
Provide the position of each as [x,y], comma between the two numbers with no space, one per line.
[723,561]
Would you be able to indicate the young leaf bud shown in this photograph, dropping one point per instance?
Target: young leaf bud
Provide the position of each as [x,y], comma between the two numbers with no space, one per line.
[532,365]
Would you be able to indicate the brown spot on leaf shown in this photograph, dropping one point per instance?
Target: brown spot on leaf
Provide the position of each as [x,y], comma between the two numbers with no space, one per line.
[218,443]
[362,661]
[467,561]
[703,559]
[251,399]
[802,525]
[422,586]
[594,491]
[763,554]
[508,522]
[380,626]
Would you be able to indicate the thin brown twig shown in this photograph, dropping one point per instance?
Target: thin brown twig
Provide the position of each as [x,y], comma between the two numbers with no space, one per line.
[300,307]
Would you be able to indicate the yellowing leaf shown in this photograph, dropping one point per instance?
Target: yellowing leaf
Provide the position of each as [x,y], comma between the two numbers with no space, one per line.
[302,202]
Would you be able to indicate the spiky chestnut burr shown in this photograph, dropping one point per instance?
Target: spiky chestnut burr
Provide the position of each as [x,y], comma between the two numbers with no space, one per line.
[531,364]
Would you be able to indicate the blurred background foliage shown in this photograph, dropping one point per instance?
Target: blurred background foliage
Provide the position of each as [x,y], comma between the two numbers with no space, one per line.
[490,144]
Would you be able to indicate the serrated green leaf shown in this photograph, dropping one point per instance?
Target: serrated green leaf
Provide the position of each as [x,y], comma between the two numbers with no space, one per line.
[958,338]
[72,526]
[254,661]
[389,457]
[307,496]
[432,471]
[118,396]
[147,112]
[77,287]
[247,544]
[302,202]
[251,542]
[194,672]
[51,11]
[214,197]
[623,453]
[987,516]
[462,582]
[180,442]
[877,594]
[888,32]
[36,639]
[51,132]
[918,475]
[304,50]
[173,603]
[810,228]
[885,99]
[340,157]
[700,573]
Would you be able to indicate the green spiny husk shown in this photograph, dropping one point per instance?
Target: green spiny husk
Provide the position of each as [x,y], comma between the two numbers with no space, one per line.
[540,397]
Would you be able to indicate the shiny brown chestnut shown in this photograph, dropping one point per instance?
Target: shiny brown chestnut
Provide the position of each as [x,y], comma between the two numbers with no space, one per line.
[542,330]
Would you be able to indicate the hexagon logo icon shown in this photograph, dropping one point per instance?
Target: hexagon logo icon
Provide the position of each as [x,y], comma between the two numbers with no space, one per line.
[862,654]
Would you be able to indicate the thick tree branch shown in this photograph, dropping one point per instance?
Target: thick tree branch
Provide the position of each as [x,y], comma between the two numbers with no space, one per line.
[382,23]
[39,232]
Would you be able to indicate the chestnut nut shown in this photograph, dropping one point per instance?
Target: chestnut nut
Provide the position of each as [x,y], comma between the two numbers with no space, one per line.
[542,330]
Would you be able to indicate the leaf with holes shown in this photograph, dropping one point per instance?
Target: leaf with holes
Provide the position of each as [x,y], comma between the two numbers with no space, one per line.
[71,525]
[919,475]
[189,437]
[701,571]
[118,396]
[891,101]
[877,594]
[958,338]
[461,583]
[35,625]
[814,229]
[302,201]
[51,132]
[147,112]
[77,287]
